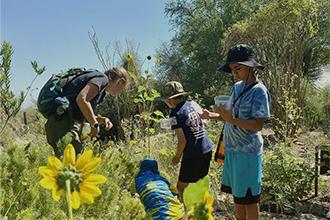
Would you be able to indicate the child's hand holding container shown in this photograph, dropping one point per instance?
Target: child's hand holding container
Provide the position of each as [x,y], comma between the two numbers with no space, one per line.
[222,101]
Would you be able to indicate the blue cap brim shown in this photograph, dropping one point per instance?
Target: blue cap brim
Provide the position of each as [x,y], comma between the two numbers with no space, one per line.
[250,63]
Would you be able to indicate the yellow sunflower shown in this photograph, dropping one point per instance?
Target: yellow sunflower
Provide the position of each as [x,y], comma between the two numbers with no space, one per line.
[82,181]
[208,202]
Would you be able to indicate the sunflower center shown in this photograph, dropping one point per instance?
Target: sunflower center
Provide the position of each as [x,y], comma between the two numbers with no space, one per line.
[69,173]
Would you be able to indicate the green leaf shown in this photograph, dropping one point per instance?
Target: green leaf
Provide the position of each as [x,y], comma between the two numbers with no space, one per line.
[155,93]
[137,100]
[141,88]
[194,193]
[151,130]
[150,99]
[145,95]
[159,113]
[154,119]
[132,75]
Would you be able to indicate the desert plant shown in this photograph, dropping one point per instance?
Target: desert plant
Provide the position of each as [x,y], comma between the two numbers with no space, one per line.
[9,104]
[316,110]
[287,178]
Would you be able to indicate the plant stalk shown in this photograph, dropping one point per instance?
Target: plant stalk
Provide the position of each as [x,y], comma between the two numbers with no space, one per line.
[68,198]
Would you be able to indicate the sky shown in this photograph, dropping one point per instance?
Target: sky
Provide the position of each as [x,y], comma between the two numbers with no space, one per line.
[55,33]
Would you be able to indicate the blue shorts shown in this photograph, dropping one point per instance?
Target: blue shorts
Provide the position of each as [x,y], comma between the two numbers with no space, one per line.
[241,176]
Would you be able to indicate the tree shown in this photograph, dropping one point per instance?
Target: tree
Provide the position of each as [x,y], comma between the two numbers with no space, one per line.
[197,49]
[283,33]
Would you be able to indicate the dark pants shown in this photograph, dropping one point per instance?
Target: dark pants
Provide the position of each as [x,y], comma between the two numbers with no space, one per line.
[59,126]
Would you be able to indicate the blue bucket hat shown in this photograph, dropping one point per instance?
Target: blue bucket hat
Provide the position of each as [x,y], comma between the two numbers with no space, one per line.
[241,54]
[148,165]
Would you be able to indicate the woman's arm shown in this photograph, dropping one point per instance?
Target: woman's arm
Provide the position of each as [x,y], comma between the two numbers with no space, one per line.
[105,121]
[83,100]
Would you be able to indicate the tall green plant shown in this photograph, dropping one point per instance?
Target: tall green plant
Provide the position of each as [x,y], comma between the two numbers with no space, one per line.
[317,108]
[286,177]
[10,104]
[145,98]
[136,104]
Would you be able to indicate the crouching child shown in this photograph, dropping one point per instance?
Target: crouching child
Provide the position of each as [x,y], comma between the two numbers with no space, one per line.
[158,197]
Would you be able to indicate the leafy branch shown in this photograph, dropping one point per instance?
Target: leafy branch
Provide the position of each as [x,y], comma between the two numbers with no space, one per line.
[10,104]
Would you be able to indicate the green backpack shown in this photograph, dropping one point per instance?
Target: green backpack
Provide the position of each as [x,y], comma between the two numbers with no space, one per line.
[51,99]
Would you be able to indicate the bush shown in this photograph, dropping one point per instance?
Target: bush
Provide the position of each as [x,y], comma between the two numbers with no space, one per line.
[317,109]
[287,178]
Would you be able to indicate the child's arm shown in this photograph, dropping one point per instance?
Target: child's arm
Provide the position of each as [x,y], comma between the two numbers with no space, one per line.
[255,124]
[259,112]
[180,147]
[211,115]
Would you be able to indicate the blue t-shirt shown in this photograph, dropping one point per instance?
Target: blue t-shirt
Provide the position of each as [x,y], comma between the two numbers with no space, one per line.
[252,104]
[185,116]
[74,87]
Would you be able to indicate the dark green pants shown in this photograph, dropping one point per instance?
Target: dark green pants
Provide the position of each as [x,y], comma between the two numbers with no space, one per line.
[57,127]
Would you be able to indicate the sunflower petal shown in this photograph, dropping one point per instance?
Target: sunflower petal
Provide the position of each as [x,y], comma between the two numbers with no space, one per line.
[84,158]
[54,163]
[48,183]
[91,165]
[56,194]
[75,200]
[95,179]
[86,197]
[69,155]
[47,172]
[90,189]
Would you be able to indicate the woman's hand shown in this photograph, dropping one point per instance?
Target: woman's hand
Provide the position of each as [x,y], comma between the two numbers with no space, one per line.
[108,124]
[94,132]
[104,121]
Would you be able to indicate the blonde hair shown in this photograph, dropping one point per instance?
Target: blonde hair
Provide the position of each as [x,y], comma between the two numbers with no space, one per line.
[117,73]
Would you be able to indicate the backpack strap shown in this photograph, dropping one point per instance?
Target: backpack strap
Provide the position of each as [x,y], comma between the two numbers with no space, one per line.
[70,75]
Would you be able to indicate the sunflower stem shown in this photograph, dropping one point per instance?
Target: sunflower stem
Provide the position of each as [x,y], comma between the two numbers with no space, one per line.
[68,198]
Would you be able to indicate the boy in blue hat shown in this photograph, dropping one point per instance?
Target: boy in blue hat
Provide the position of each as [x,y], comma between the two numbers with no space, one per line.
[241,175]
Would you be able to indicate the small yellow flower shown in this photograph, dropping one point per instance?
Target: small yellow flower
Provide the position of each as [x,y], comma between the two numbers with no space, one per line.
[208,201]
[82,181]
[128,57]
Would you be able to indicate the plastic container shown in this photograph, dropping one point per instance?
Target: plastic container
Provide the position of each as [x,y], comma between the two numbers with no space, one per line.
[165,123]
[222,101]
[86,129]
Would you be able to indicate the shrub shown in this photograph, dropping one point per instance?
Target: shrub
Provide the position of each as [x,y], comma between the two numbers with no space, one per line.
[287,178]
